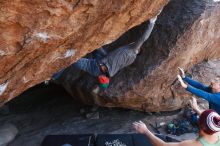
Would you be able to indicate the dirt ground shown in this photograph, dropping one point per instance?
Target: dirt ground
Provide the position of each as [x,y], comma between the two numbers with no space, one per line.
[45,110]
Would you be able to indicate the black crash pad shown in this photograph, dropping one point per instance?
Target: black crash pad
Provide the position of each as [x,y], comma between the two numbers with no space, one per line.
[101,140]
[69,140]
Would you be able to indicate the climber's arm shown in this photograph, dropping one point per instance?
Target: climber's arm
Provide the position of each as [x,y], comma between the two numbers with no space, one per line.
[146,35]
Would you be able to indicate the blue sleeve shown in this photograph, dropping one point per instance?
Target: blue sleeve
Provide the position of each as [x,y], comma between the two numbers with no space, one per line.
[197,84]
[88,65]
[210,97]
[102,51]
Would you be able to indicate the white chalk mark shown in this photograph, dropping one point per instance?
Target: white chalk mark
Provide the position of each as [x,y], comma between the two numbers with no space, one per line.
[216,0]
[3,87]
[116,142]
[2,53]
[70,53]
[43,36]
[67,54]
[25,79]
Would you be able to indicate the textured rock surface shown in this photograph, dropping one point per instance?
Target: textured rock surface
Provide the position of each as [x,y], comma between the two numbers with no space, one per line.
[206,71]
[36,36]
[186,33]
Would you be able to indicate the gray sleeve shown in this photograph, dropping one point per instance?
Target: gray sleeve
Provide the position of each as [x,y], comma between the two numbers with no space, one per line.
[145,36]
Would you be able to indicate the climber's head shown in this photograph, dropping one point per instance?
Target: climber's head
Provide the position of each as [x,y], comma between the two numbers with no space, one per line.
[215,85]
[209,122]
[103,81]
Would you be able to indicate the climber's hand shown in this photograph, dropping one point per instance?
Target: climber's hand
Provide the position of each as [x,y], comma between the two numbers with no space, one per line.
[159,11]
[153,20]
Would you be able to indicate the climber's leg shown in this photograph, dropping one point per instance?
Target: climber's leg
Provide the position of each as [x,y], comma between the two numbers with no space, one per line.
[57,75]
[88,65]
[100,53]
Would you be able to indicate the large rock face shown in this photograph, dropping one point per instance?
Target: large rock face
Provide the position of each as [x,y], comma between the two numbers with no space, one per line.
[187,32]
[206,71]
[36,36]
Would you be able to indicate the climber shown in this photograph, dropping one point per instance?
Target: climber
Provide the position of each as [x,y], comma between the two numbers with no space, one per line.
[125,55]
[107,65]
[210,93]
[209,126]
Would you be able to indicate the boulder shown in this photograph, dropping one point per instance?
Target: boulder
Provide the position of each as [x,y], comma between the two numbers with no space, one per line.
[186,33]
[38,38]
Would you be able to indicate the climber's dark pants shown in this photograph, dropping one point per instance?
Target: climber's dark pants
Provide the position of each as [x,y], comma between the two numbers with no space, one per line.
[57,75]
[90,66]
